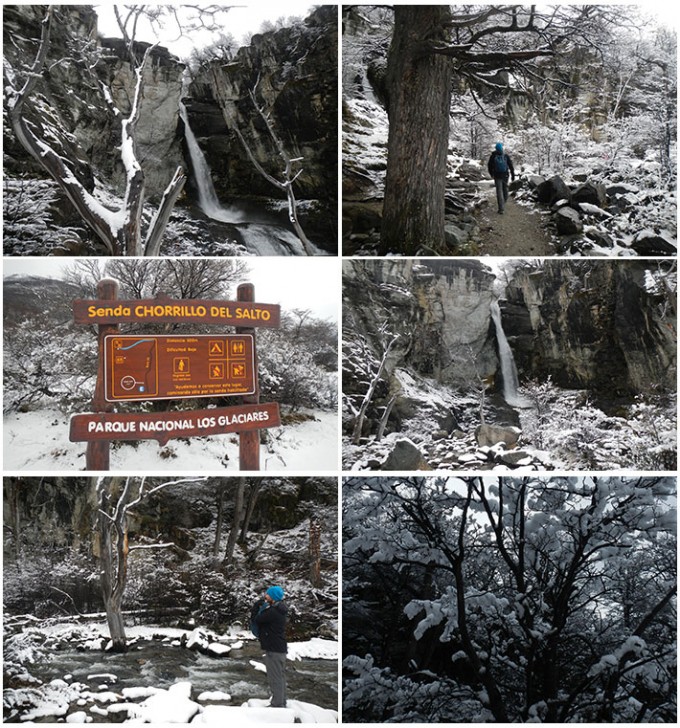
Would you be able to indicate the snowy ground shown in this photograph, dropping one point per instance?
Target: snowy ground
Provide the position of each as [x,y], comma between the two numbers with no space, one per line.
[38,441]
[76,702]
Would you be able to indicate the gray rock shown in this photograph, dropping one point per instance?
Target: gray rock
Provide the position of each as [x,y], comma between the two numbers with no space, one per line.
[405,456]
[553,189]
[600,238]
[647,242]
[568,221]
[592,193]
[516,458]
[534,180]
[489,435]
[454,235]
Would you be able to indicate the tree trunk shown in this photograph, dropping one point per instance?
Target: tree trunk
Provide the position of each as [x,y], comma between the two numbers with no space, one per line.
[236,521]
[220,521]
[114,618]
[315,553]
[255,486]
[419,98]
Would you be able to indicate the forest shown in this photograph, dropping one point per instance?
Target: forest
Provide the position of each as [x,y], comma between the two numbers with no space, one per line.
[509,599]
[50,363]
[122,594]
[107,139]
[535,364]
[582,97]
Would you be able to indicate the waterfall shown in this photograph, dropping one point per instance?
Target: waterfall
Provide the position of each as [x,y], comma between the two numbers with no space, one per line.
[508,368]
[207,198]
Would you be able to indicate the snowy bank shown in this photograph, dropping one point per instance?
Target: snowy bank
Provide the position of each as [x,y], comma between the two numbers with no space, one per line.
[36,441]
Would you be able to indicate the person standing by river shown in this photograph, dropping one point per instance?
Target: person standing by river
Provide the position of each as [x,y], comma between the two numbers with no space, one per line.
[269,618]
[500,168]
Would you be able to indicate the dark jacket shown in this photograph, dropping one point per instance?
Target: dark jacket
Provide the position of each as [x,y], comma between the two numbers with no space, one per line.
[271,622]
[492,168]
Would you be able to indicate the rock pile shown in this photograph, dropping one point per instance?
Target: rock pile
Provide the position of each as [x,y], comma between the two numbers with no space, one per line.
[581,212]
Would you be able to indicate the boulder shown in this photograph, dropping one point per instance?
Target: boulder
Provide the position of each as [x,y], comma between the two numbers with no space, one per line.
[516,458]
[588,208]
[404,456]
[621,189]
[534,180]
[489,435]
[591,193]
[649,243]
[454,235]
[568,221]
[600,238]
[553,189]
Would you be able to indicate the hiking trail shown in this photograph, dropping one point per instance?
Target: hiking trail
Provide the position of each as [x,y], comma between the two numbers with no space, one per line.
[519,231]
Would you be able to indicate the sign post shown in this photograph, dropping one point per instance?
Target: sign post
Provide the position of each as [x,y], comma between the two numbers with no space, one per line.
[249,442]
[151,367]
[97,452]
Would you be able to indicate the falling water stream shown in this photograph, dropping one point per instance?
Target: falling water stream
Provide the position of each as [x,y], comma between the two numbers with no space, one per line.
[260,232]
[508,368]
[207,197]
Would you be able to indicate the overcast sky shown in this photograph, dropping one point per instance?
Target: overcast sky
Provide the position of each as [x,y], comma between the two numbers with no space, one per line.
[292,282]
[241,19]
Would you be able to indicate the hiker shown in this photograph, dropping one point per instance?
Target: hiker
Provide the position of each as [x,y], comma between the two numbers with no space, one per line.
[268,621]
[500,168]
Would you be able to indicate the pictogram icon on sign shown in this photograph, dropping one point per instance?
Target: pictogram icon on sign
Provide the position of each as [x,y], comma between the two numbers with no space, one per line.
[216,348]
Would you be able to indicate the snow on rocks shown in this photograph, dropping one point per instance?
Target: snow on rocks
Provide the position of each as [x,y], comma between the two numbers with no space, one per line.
[206,642]
[79,716]
[316,649]
[213,696]
[167,706]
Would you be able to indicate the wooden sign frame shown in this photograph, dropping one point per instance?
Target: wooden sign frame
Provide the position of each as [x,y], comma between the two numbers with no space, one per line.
[103,425]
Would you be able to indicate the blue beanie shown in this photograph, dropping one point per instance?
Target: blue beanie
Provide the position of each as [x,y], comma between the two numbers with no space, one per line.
[499,147]
[275,592]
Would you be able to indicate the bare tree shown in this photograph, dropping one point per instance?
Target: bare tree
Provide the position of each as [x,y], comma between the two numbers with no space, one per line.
[287,176]
[120,228]
[116,498]
[391,340]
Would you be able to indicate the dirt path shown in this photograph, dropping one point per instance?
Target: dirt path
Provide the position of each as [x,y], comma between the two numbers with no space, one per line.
[520,231]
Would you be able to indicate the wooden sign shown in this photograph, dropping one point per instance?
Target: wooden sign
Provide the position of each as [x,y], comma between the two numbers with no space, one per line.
[133,368]
[169,310]
[178,367]
[163,426]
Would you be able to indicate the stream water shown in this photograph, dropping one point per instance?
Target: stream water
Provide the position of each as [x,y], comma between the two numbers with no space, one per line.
[153,663]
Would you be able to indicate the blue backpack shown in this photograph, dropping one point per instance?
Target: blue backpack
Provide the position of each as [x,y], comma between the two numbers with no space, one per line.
[256,610]
[500,164]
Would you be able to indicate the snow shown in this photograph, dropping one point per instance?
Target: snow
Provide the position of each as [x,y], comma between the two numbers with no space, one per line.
[38,440]
[213,695]
[316,649]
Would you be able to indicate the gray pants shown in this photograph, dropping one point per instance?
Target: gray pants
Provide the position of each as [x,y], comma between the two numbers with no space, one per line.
[276,675]
[501,192]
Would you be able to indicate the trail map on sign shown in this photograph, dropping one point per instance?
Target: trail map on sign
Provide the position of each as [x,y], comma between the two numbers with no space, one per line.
[171,367]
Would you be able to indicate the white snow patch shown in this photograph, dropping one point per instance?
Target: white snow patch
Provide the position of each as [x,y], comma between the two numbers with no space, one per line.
[218,649]
[316,649]
[39,440]
[214,695]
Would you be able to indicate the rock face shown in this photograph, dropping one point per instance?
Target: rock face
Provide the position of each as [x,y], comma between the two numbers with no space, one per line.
[157,137]
[293,71]
[593,324]
[68,104]
[293,75]
[441,311]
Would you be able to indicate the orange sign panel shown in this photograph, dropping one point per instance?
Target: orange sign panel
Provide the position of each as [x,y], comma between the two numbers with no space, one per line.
[175,367]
